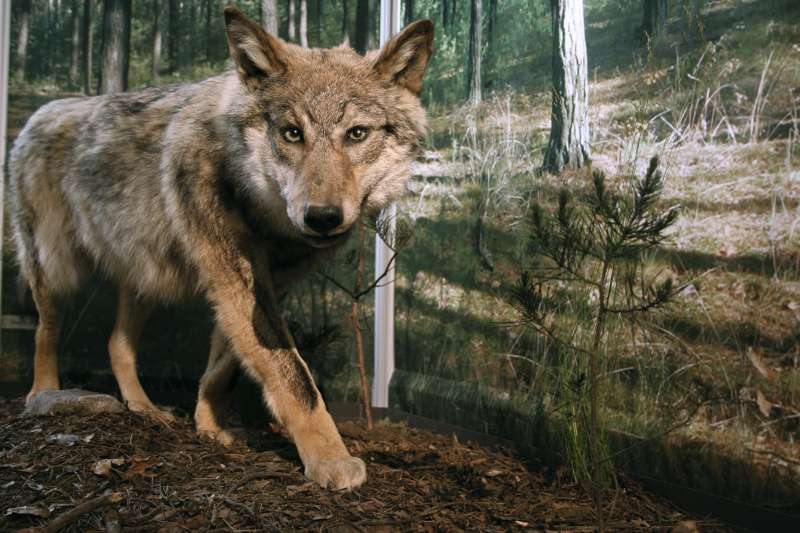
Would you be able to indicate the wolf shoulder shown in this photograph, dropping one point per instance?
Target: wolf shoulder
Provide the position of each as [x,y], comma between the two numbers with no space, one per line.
[103,117]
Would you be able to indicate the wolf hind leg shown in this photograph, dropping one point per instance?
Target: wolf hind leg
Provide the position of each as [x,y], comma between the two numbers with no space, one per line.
[132,313]
[214,396]
[45,362]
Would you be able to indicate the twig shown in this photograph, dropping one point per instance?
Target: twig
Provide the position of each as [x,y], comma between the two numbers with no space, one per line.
[145,522]
[81,509]
[774,455]
[362,366]
[480,241]
[111,521]
[358,294]
[239,506]
[261,474]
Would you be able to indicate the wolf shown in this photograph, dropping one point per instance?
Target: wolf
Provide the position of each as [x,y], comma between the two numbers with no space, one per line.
[231,188]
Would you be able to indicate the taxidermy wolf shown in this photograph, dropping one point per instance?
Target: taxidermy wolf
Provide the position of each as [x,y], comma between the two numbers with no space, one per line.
[230,188]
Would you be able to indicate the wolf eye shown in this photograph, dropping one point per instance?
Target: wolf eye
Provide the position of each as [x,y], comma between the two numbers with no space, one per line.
[293,135]
[357,133]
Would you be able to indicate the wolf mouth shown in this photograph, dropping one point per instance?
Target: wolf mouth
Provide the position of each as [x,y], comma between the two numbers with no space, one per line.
[323,241]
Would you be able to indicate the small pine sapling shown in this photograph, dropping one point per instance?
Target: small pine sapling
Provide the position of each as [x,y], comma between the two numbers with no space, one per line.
[589,270]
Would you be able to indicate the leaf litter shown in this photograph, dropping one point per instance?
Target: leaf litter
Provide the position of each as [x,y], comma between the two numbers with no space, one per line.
[137,474]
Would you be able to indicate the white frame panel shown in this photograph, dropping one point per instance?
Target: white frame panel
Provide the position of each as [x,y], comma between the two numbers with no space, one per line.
[384,293]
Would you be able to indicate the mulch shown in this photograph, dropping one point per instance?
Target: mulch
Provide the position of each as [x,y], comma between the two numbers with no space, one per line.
[126,472]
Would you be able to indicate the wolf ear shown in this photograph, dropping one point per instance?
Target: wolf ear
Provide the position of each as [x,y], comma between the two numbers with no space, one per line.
[403,60]
[257,54]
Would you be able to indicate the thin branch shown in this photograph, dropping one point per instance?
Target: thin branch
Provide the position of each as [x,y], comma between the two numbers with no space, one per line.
[81,509]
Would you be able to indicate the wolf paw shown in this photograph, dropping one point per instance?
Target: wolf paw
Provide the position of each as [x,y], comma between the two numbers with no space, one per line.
[29,398]
[225,437]
[152,411]
[337,474]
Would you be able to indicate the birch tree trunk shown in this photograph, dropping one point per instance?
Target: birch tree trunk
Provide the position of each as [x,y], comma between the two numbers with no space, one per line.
[346,22]
[155,63]
[22,39]
[474,64]
[75,58]
[304,23]
[290,31]
[87,46]
[116,46]
[269,16]
[569,130]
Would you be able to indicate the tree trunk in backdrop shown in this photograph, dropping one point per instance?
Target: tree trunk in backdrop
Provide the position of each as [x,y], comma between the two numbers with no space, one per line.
[290,21]
[318,23]
[75,58]
[155,62]
[269,16]
[408,7]
[50,37]
[346,22]
[192,33]
[569,129]
[116,46]
[22,39]
[87,46]
[304,23]
[445,14]
[372,25]
[697,20]
[474,62]
[173,34]
[210,12]
[362,26]
[491,44]
[654,21]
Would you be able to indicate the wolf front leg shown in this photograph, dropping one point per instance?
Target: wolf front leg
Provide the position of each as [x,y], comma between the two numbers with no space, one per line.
[248,315]
[214,396]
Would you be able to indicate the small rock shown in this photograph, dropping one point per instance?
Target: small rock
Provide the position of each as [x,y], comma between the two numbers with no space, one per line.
[432,155]
[689,291]
[68,439]
[71,401]
[103,466]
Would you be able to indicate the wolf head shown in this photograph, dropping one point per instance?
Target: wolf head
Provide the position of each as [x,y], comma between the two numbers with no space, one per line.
[334,131]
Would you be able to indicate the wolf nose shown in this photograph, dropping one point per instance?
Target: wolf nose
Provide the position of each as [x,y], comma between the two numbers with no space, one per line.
[323,218]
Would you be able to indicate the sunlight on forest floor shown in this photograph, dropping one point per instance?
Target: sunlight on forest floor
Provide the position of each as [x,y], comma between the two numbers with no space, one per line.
[727,136]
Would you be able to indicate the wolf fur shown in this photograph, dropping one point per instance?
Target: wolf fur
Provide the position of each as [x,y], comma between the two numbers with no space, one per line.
[230,188]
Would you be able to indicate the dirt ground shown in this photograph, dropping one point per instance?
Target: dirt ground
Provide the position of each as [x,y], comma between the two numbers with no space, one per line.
[136,474]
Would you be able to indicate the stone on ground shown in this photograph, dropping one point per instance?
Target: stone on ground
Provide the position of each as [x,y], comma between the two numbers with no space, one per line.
[71,401]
